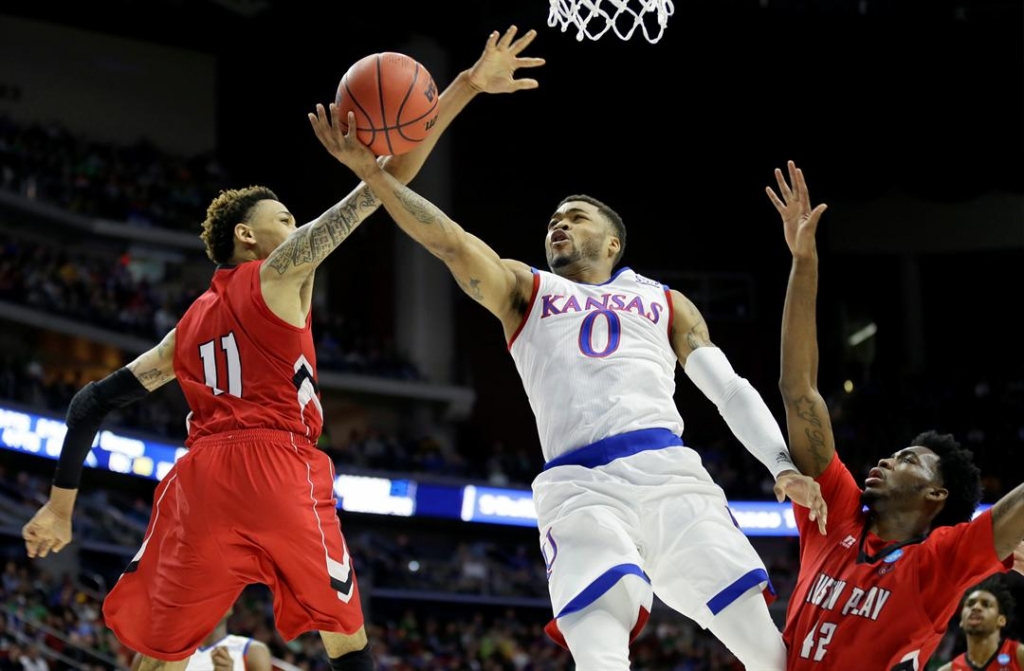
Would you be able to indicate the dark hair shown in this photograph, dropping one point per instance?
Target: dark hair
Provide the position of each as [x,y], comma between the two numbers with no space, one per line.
[611,215]
[960,477]
[996,586]
[230,207]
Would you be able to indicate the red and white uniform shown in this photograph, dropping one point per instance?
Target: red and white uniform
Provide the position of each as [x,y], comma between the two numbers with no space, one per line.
[1005,659]
[253,499]
[861,602]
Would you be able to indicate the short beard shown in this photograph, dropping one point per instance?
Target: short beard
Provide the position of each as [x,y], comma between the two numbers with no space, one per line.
[561,261]
[977,630]
[580,252]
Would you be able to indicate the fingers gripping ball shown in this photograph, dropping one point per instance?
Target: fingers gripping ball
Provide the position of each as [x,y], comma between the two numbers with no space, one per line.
[395,101]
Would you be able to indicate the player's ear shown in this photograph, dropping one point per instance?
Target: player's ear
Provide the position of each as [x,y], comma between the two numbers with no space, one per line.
[245,233]
[614,245]
[1001,621]
[938,494]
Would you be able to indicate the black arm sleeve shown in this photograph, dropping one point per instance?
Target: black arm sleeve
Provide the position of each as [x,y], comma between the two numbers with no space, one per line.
[86,412]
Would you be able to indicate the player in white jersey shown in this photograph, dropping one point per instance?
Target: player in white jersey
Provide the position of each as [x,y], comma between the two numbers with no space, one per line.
[222,651]
[623,506]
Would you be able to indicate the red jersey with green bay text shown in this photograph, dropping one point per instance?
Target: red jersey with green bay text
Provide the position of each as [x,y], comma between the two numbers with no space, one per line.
[864,603]
[243,367]
[1004,659]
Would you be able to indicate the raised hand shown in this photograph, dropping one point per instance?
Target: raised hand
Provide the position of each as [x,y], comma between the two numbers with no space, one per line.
[47,531]
[344,146]
[805,491]
[494,71]
[799,220]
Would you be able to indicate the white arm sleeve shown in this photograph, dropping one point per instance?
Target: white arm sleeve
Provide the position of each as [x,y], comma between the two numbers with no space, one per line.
[741,406]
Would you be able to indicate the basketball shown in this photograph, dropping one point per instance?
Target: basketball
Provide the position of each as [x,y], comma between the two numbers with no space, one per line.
[395,101]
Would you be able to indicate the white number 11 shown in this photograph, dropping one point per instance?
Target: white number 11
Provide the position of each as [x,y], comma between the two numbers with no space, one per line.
[207,352]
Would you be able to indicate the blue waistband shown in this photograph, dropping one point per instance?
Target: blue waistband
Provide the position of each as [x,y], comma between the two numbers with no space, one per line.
[611,448]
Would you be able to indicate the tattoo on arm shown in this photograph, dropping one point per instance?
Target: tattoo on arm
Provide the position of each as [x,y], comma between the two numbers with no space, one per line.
[698,335]
[311,244]
[1009,505]
[161,373]
[472,288]
[420,208]
[806,409]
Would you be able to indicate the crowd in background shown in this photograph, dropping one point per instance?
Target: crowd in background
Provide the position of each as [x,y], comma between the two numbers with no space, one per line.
[47,620]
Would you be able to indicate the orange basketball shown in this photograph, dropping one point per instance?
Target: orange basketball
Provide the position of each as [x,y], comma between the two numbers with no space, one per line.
[395,101]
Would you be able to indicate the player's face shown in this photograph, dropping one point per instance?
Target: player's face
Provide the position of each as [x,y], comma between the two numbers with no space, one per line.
[906,476]
[271,223]
[577,233]
[980,614]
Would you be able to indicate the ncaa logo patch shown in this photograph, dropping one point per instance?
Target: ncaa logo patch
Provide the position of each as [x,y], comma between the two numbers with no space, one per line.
[1003,659]
[896,554]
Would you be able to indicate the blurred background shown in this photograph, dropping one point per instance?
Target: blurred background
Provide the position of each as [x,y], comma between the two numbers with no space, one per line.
[120,121]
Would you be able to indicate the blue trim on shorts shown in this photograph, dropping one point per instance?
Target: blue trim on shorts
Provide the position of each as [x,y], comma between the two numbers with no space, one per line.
[611,448]
[723,599]
[602,584]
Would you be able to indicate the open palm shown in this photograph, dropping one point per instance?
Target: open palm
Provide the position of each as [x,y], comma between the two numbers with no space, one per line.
[494,71]
[799,219]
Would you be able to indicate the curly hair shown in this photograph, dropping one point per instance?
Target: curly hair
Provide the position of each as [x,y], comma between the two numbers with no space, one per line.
[996,586]
[610,214]
[960,477]
[230,207]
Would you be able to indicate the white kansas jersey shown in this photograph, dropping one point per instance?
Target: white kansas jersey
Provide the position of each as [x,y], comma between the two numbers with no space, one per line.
[237,646]
[596,359]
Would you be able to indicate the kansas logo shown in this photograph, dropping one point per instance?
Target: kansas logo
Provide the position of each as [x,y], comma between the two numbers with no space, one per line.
[549,548]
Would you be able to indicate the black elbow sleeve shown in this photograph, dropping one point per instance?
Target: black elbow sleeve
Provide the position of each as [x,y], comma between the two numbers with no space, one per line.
[88,408]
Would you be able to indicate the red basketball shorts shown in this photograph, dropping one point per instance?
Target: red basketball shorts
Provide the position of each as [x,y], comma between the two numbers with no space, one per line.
[239,508]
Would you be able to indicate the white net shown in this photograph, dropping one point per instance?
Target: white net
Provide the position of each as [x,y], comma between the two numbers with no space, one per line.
[594,18]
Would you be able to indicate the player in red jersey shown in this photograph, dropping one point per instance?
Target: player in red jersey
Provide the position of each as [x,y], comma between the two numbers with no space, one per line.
[252,501]
[986,610]
[878,590]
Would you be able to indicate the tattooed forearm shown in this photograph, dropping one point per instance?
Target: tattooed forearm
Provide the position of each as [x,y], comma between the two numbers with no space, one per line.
[807,409]
[423,210]
[311,244]
[156,367]
[153,378]
[1010,504]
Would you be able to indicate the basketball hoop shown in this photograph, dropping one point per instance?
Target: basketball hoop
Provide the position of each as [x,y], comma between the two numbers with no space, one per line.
[593,19]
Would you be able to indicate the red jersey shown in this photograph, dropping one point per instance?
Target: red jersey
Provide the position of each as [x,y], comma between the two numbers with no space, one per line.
[861,602]
[243,367]
[1004,659]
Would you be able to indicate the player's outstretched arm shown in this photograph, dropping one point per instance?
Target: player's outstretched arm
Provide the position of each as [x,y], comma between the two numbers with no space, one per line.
[741,406]
[494,72]
[501,285]
[811,441]
[50,528]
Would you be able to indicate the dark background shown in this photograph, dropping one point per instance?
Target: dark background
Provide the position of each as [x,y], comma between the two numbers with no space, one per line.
[872,99]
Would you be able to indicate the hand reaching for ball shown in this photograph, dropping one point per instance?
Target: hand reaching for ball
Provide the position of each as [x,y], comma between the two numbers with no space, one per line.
[344,146]
[494,71]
